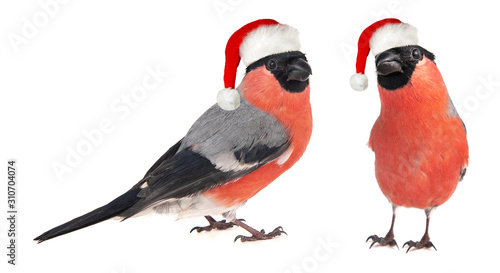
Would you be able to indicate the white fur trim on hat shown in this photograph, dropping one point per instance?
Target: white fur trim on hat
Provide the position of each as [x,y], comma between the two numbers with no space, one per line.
[393,35]
[359,82]
[228,99]
[268,40]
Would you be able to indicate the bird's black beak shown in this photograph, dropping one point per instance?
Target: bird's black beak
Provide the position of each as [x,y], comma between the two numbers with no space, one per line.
[388,62]
[298,70]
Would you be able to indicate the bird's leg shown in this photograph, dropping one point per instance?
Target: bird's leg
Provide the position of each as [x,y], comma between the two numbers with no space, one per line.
[213,224]
[426,240]
[256,235]
[388,240]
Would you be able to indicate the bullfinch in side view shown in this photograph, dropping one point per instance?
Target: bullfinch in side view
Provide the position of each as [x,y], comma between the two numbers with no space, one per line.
[420,143]
[237,147]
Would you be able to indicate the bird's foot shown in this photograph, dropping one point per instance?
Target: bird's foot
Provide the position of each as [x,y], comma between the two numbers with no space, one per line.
[220,225]
[383,241]
[419,245]
[261,235]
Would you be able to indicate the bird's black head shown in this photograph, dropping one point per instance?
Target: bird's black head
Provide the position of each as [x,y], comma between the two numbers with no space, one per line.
[290,69]
[396,65]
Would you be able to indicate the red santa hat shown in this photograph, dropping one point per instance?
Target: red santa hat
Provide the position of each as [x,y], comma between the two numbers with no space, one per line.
[379,37]
[250,43]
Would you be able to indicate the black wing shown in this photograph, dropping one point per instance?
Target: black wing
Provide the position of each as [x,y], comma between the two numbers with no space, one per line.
[165,157]
[188,173]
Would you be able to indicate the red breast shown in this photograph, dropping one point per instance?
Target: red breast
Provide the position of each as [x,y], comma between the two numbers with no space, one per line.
[420,145]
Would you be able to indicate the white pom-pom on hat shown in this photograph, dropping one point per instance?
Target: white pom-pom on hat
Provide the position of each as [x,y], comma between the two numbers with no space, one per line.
[378,37]
[359,82]
[250,43]
[228,99]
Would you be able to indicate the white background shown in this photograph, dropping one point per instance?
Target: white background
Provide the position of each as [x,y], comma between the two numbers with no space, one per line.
[64,78]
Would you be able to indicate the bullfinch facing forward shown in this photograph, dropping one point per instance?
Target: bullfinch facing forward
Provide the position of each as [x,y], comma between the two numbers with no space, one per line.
[420,144]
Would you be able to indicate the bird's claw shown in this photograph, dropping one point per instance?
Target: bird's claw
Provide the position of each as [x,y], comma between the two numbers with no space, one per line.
[382,241]
[220,225]
[418,245]
[262,235]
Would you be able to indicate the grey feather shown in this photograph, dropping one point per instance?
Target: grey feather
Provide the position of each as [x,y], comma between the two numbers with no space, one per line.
[218,133]
[452,111]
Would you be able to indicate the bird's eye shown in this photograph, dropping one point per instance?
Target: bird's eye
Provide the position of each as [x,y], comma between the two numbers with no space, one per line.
[272,64]
[416,54]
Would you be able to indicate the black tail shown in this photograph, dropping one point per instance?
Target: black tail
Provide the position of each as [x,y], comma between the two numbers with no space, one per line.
[114,208]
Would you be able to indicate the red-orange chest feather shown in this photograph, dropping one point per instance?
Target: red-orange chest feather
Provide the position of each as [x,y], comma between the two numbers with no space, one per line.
[419,142]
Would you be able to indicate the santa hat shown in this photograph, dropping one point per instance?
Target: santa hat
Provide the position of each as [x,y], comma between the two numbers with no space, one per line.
[250,43]
[379,37]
